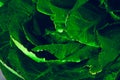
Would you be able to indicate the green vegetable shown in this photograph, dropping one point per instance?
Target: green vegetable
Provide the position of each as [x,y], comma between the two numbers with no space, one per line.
[60,39]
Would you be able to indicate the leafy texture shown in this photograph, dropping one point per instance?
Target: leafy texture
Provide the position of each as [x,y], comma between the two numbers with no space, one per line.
[109,43]
[26,52]
[80,24]
[60,39]
[75,51]
[44,7]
